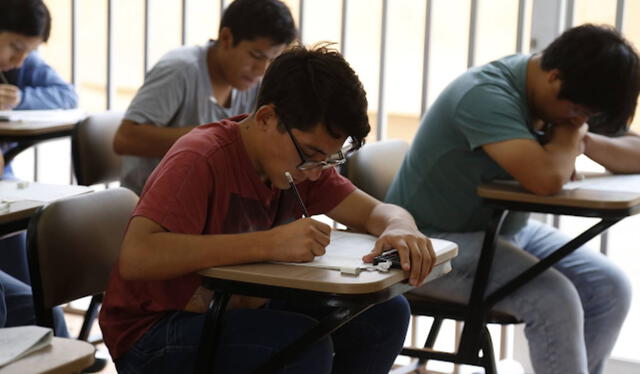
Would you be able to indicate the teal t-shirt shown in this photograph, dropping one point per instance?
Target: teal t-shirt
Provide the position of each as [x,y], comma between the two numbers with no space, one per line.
[438,179]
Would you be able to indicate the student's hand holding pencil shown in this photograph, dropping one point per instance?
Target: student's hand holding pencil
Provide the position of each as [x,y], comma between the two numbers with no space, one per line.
[9,96]
[298,241]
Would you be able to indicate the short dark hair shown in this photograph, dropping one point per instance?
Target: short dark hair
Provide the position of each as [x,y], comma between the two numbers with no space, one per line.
[251,19]
[25,17]
[313,86]
[600,70]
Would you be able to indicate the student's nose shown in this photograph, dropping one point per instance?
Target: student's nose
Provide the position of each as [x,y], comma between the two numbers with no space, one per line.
[260,66]
[18,59]
[579,119]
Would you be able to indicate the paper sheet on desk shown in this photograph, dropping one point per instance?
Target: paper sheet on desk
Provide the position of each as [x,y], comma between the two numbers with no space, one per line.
[9,191]
[55,115]
[620,183]
[16,342]
[344,252]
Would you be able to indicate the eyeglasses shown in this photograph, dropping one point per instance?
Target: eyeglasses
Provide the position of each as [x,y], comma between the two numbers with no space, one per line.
[333,160]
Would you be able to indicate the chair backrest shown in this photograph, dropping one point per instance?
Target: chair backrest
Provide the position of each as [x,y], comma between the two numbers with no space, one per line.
[73,244]
[373,167]
[94,160]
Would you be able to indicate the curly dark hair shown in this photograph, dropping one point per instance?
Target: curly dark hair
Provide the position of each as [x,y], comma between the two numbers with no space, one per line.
[313,86]
[600,70]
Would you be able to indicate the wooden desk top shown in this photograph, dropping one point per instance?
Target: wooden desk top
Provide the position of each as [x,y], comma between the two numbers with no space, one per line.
[307,278]
[595,192]
[28,129]
[22,203]
[39,122]
[63,356]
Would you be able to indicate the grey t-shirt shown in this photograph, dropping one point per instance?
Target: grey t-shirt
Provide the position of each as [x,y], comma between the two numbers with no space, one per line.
[438,179]
[177,93]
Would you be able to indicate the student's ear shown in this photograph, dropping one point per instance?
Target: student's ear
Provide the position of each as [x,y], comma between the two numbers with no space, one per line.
[553,76]
[225,38]
[266,117]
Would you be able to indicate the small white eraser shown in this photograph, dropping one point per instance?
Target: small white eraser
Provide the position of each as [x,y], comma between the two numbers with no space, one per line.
[22,185]
[350,270]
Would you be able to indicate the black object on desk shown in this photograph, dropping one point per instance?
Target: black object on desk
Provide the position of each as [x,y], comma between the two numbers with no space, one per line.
[392,256]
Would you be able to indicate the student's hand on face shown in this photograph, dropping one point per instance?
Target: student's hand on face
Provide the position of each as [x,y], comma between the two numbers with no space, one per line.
[9,96]
[300,240]
[570,135]
[416,252]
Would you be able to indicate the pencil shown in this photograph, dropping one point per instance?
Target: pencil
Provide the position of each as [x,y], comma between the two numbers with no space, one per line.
[295,190]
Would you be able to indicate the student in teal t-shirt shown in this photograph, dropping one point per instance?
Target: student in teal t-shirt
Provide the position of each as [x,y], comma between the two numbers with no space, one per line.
[525,117]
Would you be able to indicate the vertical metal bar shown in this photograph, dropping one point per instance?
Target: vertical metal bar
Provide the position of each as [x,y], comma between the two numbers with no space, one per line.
[473,22]
[604,243]
[74,43]
[620,8]
[522,7]
[300,18]
[381,125]
[110,27]
[569,13]
[425,57]
[343,27]
[146,36]
[74,61]
[555,221]
[185,15]
[35,163]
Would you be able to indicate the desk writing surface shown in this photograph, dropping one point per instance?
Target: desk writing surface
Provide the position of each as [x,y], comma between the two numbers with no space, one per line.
[23,202]
[17,123]
[61,357]
[597,192]
[307,278]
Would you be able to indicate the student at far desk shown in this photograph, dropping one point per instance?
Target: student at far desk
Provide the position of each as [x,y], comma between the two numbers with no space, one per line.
[193,85]
[524,117]
[26,82]
[220,196]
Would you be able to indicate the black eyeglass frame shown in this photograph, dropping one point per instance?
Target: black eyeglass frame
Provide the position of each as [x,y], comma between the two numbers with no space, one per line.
[305,164]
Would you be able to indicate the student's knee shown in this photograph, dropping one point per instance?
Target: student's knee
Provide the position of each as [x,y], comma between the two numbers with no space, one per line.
[538,303]
[390,318]
[611,294]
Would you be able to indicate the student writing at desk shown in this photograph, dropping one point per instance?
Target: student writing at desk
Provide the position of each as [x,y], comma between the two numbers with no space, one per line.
[190,86]
[26,82]
[220,196]
[485,126]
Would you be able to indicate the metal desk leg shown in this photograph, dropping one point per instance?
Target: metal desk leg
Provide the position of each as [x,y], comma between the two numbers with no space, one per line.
[471,334]
[211,334]
[549,261]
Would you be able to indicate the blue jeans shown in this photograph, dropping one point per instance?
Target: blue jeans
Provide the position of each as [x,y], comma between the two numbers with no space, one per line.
[573,312]
[367,344]
[16,306]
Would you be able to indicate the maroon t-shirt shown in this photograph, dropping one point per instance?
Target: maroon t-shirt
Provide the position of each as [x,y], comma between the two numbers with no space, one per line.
[205,184]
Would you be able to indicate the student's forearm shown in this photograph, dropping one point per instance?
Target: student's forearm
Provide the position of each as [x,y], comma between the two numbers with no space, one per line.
[146,140]
[618,155]
[166,255]
[386,217]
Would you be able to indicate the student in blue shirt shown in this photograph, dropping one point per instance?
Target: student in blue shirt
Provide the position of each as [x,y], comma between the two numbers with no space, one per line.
[27,82]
